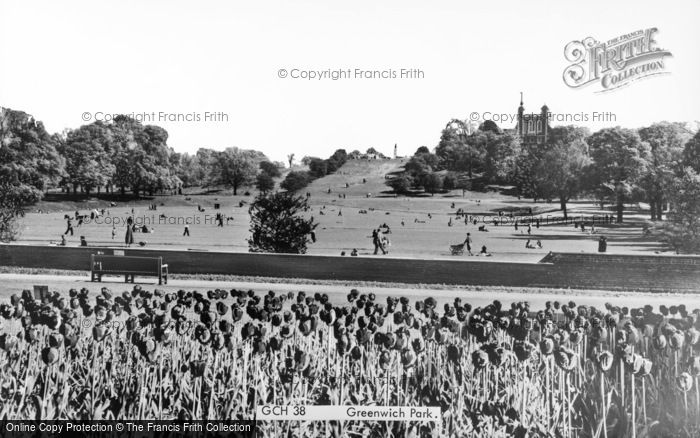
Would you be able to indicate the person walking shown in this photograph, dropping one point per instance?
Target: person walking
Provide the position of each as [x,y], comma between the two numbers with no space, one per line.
[187,231]
[529,229]
[129,237]
[69,226]
[468,243]
[377,241]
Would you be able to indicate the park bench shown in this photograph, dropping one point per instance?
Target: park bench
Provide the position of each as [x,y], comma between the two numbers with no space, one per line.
[128,267]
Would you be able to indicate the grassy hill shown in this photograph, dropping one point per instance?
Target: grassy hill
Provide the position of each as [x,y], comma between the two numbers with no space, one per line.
[353,172]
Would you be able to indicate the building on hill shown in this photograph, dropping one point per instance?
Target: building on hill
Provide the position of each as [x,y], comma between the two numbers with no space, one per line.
[532,128]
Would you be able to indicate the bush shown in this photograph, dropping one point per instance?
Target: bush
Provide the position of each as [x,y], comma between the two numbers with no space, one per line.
[401,184]
[264,182]
[270,169]
[277,224]
[318,168]
[296,180]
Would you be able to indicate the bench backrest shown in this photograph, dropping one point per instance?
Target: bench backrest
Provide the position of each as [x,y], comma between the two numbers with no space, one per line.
[126,263]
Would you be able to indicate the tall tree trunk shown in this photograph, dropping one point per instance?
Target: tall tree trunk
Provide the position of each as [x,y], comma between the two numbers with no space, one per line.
[620,208]
[659,208]
[562,204]
[652,209]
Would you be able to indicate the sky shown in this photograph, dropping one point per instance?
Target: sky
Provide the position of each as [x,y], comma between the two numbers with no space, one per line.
[70,62]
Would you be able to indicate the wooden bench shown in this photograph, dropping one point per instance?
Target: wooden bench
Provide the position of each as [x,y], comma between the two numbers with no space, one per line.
[128,267]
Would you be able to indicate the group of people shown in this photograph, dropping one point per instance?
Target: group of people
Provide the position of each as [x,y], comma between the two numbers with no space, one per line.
[380,239]
[468,247]
[529,244]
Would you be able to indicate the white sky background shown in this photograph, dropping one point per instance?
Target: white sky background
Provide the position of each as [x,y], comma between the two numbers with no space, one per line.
[62,58]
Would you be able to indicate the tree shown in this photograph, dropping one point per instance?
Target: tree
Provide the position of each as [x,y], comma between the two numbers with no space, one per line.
[264,182]
[682,232]
[666,141]
[12,200]
[270,169]
[433,183]
[451,151]
[236,168]
[400,184]
[619,159]
[691,153]
[290,159]
[277,224]
[421,165]
[558,167]
[142,156]
[422,150]
[336,160]
[296,180]
[88,160]
[499,157]
[449,182]
[29,161]
[463,184]
[318,168]
[490,126]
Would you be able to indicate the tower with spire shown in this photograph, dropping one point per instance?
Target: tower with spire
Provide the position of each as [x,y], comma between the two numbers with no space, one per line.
[532,128]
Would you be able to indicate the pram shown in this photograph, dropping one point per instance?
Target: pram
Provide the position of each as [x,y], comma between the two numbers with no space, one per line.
[457,250]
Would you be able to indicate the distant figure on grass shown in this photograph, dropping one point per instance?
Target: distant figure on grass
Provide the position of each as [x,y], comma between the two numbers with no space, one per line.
[187,231]
[602,244]
[539,244]
[468,243]
[354,252]
[129,237]
[516,225]
[528,245]
[449,223]
[483,228]
[63,240]
[529,229]
[114,232]
[484,252]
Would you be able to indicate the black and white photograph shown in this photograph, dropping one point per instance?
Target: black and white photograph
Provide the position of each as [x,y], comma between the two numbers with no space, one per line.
[366,219]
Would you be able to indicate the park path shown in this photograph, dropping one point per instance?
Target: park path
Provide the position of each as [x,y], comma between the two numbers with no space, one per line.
[14,283]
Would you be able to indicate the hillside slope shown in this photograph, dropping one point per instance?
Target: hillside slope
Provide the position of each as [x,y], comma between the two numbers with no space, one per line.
[352,173]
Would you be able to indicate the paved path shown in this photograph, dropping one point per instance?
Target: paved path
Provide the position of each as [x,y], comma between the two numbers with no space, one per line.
[15,283]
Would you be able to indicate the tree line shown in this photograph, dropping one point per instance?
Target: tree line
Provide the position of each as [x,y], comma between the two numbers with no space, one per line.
[119,156]
[317,168]
[656,164]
